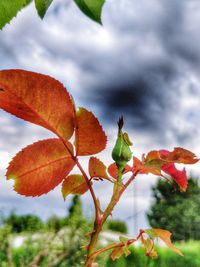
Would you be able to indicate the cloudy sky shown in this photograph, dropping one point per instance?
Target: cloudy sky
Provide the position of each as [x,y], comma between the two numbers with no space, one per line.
[144,64]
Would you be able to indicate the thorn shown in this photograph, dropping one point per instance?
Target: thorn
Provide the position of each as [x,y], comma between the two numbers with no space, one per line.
[90,233]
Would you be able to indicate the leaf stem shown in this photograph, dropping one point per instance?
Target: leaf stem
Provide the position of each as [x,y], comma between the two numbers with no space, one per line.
[75,159]
[111,246]
[97,210]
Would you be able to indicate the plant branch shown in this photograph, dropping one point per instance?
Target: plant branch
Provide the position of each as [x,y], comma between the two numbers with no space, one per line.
[75,159]
[118,190]
[111,246]
[97,211]
[100,219]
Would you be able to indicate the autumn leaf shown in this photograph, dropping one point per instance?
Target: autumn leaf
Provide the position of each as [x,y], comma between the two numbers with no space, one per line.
[149,247]
[118,252]
[178,176]
[157,158]
[179,155]
[74,184]
[113,171]
[143,169]
[90,137]
[153,160]
[97,169]
[163,160]
[121,250]
[39,99]
[40,167]
[165,236]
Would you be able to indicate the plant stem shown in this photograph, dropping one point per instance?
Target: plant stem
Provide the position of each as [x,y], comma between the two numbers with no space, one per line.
[111,246]
[86,179]
[97,210]
[118,190]
[100,219]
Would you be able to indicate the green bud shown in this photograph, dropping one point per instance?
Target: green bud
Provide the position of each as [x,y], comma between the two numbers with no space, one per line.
[121,153]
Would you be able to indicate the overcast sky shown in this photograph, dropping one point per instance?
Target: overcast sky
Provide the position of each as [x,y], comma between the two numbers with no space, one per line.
[144,63]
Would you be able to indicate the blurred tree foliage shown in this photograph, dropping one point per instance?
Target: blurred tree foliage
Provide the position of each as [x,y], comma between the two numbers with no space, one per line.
[178,212]
[55,223]
[116,226]
[61,243]
[21,223]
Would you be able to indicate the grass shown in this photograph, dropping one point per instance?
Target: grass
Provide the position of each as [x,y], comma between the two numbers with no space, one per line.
[166,258]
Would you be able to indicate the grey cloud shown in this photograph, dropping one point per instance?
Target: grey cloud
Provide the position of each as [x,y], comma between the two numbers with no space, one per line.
[144,64]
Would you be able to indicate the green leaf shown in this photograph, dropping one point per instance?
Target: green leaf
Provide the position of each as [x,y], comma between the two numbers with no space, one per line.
[9,9]
[91,8]
[42,6]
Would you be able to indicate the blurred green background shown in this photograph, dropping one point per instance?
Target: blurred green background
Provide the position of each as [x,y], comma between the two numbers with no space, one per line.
[26,240]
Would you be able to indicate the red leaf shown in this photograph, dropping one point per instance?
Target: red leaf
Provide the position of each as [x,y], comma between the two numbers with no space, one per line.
[40,167]
[97,169]
[112,170]
[142,169]
[90,137]
[74,184]
[179,177]
[164,160]
[179,155]
[39,99]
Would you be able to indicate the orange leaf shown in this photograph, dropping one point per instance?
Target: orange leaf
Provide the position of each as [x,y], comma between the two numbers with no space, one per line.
[181,155]
[165,236]
[153,160]
[116,253]
[152,155]
[74,184]
[120,250]
[149,247]
[112,170]
[97,169]
[40,167]
[142,169]
[90,137]
[39,99]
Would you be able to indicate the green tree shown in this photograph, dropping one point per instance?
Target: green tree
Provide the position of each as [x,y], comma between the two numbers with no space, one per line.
[56,223]
[117,226]
[20,223]
[178,212]
[76,211]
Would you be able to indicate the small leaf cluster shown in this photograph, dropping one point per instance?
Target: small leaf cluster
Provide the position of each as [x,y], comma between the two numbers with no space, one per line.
[10,8]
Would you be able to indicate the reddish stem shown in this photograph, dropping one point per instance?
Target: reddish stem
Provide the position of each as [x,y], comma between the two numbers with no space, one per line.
[119,189]
[75,159]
